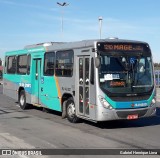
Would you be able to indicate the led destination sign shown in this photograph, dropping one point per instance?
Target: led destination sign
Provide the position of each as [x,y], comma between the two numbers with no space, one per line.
[125,47]
[117,84]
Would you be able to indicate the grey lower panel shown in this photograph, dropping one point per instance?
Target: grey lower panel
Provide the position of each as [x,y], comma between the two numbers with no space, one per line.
[10,89]
[105,114]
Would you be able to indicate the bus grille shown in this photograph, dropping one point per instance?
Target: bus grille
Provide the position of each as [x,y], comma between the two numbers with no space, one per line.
[132,98]
[124,114]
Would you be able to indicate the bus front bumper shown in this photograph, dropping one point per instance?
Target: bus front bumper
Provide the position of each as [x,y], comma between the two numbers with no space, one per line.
[104,114]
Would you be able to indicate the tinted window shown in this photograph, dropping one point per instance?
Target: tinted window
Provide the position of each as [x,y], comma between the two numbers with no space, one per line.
[64,63]
[49,60]
[22,64]
[11,67]
[29,64]
[125,74]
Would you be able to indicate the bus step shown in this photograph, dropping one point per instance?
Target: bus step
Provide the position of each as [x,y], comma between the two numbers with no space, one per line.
[38,105]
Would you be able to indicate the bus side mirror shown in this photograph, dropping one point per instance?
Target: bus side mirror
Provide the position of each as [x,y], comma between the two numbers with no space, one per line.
[97,62]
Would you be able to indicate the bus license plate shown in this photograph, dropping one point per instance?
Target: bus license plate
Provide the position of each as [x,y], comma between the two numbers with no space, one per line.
[132,117]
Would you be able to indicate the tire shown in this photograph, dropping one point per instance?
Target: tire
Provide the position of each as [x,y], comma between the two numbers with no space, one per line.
[22,100]
[71,111]
[64,109]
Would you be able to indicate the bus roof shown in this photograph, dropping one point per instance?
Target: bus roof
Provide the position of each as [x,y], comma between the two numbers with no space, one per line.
[86,43]
[50,46]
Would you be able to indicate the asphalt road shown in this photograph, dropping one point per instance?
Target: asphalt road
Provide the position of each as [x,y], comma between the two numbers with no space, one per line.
[34,128]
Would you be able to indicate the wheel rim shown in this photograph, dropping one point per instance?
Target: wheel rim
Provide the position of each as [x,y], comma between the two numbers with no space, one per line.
[22,100]
[71,110]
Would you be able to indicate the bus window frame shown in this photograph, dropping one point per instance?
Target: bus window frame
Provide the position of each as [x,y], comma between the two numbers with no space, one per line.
[28,65]
[45,74]
[62,51]
[19,73]
[15,64]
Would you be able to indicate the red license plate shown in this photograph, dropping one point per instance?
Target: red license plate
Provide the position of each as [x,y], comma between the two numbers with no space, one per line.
[132,117]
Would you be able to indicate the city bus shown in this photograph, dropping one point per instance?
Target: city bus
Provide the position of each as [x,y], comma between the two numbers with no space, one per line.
[96,80]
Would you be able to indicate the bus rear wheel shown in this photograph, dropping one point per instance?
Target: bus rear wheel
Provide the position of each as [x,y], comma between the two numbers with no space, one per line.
[71,111]
[22,100]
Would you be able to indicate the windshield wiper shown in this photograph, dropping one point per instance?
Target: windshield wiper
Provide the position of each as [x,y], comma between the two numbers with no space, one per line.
[141,86]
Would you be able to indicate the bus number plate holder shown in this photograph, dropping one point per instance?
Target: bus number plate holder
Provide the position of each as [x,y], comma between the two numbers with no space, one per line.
[132,117]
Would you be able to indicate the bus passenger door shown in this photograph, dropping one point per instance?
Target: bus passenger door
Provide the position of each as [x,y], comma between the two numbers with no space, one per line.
[36,80]
[83,82]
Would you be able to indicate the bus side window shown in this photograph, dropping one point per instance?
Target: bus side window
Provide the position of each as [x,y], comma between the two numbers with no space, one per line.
[49,60]
[64,63]
[22,64]
[28,64]
[11,65]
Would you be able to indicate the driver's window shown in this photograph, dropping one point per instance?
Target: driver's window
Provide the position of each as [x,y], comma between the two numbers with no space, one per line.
[141,66]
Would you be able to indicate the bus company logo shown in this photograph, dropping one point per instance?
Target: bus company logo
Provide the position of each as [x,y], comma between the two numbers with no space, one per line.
[140,104]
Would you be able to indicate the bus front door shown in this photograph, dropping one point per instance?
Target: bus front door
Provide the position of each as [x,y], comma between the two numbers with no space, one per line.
[83,85]
[36,81]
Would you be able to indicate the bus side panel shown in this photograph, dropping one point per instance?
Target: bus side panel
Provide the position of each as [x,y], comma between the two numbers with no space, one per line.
[52,89]
[12,83]
[46,89]
[50,93]
[9,88]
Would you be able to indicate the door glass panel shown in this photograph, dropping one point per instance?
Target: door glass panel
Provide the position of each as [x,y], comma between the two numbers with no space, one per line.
[81,99]
[87,71]
[84,85]
[36,75]
[87,100]
[81,71]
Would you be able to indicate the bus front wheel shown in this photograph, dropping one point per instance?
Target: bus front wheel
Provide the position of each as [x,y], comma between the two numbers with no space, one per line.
[71,111]
[22,100]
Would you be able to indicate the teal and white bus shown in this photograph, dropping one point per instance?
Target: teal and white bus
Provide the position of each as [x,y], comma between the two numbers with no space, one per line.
[96,80]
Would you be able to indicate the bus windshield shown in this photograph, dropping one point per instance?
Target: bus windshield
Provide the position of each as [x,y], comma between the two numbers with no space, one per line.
[123,72]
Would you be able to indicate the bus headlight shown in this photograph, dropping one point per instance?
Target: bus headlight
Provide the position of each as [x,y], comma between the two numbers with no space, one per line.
[153,102]
[105,103]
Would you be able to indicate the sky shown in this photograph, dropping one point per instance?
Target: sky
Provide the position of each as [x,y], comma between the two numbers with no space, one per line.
[24,22]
